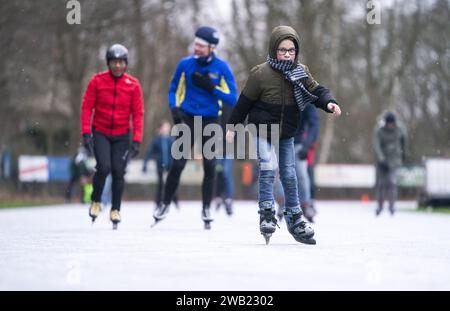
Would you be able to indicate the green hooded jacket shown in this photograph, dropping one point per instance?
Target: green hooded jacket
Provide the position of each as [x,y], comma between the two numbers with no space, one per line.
[268,97]
[389,145]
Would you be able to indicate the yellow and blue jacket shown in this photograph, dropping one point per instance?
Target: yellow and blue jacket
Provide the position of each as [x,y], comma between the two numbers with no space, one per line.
[195,100]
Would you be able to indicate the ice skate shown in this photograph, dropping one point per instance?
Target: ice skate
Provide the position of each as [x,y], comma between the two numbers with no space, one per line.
[309,212]
[206,216]
[391,210]
[229,206]
[267,223]
[298,228]
[177,205]
[378,210]
[94,210]
[115,218]
[280,213]
[160,213]
[219,202]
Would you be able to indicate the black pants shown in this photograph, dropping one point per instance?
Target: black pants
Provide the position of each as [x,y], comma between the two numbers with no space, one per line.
[69,189]
[160,187]
[386,181]
[173,179]
[312,181]
[111,154]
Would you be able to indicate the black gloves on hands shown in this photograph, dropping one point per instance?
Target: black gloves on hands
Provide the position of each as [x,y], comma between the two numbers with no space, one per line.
[301,152]
[88,142]
[176,115]
[203,81]
[134,149]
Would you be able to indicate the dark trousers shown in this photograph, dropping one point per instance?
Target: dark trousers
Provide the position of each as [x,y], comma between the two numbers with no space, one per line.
[160,187]
[111,154]
[173,179]
[69,189]
[386,181]
[312,181]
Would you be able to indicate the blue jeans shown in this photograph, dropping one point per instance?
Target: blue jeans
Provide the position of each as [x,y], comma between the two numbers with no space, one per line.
[304,185]
[106,193]
[227,178]
[268,164]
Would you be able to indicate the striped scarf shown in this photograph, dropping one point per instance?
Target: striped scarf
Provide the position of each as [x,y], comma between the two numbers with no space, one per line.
[301,94]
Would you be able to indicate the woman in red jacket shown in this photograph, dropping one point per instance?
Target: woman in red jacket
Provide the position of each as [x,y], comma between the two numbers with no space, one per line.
[112,104]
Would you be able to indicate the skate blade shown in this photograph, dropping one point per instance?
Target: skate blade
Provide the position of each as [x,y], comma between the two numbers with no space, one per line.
[156,221]
[310,241]
[114,226]
[267,237]
[207,225]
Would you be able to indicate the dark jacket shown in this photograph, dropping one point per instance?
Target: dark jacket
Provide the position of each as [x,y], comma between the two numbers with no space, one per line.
[309,124]
[268,98]
[160,150]
[390,145]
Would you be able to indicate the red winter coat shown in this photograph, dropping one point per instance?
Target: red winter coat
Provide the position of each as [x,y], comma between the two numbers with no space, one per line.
[113,104]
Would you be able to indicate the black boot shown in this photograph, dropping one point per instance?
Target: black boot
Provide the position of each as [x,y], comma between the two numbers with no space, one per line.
[267,220]
[206,216]
[160,213]
[298,228]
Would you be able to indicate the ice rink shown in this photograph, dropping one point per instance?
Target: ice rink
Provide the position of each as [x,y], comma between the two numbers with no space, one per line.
[57,248]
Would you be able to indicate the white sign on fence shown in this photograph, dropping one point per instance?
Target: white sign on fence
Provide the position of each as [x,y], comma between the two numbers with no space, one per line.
[345,176]
[33,168]
[135,175]
[437,177]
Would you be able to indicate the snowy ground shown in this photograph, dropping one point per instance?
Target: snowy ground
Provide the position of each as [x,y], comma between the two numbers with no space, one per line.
[56,248]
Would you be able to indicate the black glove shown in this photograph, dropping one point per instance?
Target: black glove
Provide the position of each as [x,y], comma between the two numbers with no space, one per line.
[203,81]
[134,149]
[176,115]
[303,153]
[88,142]
[383,165]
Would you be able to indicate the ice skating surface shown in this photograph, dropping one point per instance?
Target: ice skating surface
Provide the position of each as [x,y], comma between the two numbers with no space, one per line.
[57,248]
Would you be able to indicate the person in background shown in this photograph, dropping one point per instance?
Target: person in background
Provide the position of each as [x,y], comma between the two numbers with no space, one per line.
[224,170]
[160,151]
[389,145]
[81,172]
[304,143]
[112,107]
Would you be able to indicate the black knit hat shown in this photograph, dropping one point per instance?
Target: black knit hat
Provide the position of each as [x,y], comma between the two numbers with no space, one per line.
[208,34]
[389,117]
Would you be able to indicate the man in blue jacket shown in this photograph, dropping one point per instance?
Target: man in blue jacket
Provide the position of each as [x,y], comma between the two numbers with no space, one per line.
[201,85]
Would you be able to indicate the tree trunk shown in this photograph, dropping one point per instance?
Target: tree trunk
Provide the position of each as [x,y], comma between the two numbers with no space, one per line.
[327,139]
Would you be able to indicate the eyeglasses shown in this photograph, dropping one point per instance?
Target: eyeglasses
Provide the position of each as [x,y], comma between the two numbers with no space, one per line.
[283,51]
